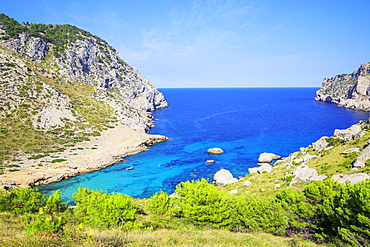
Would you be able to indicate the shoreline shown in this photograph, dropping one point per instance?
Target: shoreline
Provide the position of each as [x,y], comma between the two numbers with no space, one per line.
[100,152]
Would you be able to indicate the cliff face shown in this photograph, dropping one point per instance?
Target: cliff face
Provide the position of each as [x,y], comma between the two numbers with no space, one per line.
[88,59]
[348,90]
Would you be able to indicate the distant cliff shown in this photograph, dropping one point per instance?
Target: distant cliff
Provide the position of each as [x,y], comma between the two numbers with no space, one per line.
[348,90]
[71,52]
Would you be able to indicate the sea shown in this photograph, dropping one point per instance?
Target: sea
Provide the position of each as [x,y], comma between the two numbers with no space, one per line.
[244,122]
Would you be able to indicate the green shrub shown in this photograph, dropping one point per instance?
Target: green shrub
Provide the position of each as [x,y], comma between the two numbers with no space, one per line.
[203,204]
[42,222]
[348,213]
[101,209]
[160,203]
[257,215]
[25,201]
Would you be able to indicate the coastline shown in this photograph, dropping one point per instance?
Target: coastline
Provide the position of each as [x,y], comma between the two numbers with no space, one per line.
[98,153]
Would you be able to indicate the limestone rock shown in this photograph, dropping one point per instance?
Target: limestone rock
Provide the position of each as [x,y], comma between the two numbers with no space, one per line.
[267,157]
[351,150]
[223,177]
[233,192]
[308,157]
[246,183]
[362,157]
[215,151]
[305,174]
[352,178]
[348,134]
[253,170]
[320,144]
[265,167]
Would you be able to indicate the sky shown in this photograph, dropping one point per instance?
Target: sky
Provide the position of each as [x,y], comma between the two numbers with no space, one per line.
[220,43]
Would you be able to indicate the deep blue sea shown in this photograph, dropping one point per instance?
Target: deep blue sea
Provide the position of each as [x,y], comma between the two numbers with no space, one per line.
[244,122]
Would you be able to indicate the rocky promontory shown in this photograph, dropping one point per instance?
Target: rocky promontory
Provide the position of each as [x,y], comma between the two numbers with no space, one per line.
[69,103]
[348,90]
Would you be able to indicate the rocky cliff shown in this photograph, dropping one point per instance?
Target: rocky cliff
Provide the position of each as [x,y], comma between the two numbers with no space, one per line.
[348,90]
[76,54]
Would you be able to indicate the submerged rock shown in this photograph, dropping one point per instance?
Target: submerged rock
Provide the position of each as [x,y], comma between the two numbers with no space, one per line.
[215,151]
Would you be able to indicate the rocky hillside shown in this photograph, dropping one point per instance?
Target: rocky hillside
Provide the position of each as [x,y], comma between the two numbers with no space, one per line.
[348,90]
[71,52]
[60,85]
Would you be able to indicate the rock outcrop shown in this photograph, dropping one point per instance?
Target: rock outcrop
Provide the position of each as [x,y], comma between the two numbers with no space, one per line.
[264,167]
[223,177]
[267,157]
[351,178]
[361,159]
[351,133]
[348,90]
[303,173]
[320,144]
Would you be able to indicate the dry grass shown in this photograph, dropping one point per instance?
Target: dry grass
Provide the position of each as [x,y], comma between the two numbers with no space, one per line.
[13,234]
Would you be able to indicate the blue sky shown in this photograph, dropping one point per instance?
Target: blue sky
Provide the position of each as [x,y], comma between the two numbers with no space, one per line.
[220,43]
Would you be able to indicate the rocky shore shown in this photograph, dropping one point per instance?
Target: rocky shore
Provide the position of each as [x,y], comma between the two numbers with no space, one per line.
[346,155]
[100,152]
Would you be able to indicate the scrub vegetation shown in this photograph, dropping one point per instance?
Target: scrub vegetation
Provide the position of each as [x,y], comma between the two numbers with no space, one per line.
[197,214]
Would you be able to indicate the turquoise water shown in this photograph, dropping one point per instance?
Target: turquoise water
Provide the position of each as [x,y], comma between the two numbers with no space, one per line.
[243,121]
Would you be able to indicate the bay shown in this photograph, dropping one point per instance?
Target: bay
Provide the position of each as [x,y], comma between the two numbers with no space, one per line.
[244,122]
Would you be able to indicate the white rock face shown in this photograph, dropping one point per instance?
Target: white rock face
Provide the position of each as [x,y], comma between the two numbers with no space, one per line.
[351,150]
[223,177]
[264,167]
[233,192]
[361,159]
[348,134]
[267,157]
[320,144]
[305,174]
[246,183]
[352,178]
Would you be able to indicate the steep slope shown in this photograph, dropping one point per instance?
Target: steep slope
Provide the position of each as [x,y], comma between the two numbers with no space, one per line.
[76,54]
[348,90]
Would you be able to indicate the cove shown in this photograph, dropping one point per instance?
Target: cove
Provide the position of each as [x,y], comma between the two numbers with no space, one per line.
[244,122]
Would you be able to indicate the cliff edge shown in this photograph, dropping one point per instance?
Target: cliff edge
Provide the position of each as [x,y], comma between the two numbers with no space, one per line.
[348,90]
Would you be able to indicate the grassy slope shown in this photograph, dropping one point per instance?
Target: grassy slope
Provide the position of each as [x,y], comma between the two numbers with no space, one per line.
[13,234]
[331,162]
